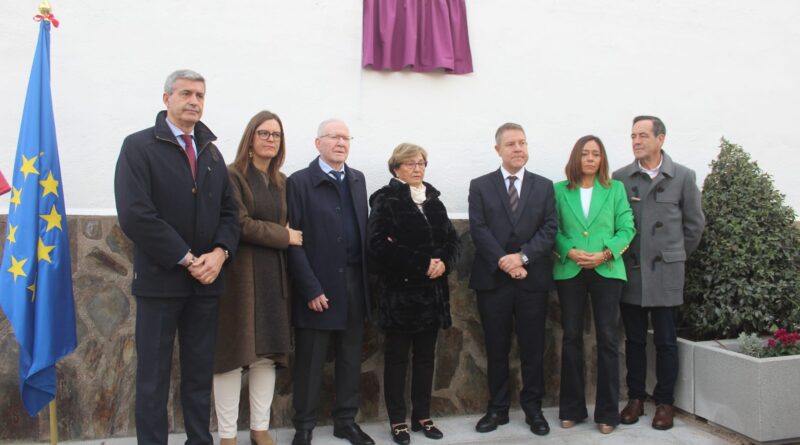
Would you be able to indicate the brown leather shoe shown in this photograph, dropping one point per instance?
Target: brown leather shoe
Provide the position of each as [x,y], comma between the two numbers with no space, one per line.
[630,414]
[260,438]
[224,441]
[663,418]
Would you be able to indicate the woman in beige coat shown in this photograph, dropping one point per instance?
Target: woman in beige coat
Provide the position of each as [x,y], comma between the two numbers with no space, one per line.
[254,323]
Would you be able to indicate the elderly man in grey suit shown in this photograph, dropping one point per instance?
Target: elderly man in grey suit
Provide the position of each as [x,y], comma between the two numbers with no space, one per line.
[669,222]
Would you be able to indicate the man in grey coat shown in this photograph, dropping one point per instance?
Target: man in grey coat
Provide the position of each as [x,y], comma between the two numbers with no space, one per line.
[669,223]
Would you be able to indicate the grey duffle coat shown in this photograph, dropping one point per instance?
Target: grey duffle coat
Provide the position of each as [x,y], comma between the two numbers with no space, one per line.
[669,223]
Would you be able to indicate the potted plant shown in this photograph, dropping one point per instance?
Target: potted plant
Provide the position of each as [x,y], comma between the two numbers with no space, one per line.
[781,344]
[750,385]
[744,277]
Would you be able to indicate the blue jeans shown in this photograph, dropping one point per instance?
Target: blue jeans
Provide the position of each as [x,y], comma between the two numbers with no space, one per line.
[665,338]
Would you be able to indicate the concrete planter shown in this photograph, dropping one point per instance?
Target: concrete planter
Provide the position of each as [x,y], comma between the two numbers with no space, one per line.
[756,397]
[685,386]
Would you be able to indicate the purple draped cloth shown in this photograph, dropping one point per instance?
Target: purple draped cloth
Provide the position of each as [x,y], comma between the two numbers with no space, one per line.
[422,34]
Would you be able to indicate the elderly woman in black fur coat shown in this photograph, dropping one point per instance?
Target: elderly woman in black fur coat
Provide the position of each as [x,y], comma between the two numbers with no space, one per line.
[414,245]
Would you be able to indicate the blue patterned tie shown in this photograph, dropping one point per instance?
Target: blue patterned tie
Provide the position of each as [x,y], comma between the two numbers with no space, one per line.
[337,175]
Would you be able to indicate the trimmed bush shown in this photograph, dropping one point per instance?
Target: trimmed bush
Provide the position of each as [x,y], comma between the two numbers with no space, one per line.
[745,275]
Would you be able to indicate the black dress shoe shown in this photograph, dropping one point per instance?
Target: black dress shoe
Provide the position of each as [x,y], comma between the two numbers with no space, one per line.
[428,428]
[400,434]
[538,423]
[302,437]
[490,421]
[353,433]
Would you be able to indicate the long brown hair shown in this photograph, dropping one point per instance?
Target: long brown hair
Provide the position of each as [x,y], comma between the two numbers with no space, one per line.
[242,159]
[573,169]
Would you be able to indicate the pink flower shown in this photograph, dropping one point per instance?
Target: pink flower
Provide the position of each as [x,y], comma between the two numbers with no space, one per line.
[790,339]
[771,343]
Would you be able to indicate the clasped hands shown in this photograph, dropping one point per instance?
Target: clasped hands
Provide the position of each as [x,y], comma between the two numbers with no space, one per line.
[585,259]
[513,266]
[206,267]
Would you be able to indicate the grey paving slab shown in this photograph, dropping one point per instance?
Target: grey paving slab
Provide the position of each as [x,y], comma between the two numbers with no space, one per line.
[461,430]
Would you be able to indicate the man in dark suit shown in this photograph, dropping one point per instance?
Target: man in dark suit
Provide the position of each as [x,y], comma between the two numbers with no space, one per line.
[174,202]
[328,202]
[512,220]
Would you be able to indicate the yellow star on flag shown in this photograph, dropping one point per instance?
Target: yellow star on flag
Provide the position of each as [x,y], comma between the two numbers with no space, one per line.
[43,251]
[12,233]
[32,288]
[16,194]
[27,166]
[49,185]
[16,267]
[53,219]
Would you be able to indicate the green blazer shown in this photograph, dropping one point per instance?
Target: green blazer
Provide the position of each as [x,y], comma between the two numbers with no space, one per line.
[610,224]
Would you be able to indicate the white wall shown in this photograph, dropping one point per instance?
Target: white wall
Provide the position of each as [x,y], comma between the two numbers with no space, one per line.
[562,69]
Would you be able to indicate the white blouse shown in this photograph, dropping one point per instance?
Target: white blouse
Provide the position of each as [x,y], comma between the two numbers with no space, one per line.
[586,200]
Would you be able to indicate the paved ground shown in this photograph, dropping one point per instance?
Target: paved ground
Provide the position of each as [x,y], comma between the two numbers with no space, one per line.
[461,430]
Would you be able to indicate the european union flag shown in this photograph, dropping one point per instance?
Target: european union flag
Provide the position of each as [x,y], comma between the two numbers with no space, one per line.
[35,277]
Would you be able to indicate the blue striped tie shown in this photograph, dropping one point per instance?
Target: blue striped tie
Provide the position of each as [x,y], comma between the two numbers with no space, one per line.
[513,197]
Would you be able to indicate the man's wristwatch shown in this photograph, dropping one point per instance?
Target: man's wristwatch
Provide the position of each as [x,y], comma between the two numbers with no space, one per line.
[227,254]
[524,258]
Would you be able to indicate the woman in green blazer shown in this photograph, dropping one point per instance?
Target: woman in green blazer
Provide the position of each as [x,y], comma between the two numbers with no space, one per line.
[595,226]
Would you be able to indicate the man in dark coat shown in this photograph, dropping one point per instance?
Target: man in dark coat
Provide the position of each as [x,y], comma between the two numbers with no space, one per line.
[669,223]
[174,203]
[513,224]
[328,202]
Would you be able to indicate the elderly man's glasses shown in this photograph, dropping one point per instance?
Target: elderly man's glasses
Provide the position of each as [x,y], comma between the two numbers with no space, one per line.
[338,137]
[411,165]
[264,134]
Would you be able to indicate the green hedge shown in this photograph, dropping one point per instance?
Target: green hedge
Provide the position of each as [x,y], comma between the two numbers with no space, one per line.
[745,275]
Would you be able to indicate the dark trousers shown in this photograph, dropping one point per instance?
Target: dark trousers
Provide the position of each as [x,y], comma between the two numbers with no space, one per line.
[665,338]
[395,364]
[311,349]
[157,320]
[605,295]
[500,309]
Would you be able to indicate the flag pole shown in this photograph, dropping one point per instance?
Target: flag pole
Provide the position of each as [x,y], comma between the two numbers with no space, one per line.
[53,423]
[44,10]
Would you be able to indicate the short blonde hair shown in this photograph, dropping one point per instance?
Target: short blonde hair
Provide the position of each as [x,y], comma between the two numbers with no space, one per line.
[404,152]
[506,127]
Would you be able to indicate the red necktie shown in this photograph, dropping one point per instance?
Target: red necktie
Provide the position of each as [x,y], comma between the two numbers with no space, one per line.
[187,139]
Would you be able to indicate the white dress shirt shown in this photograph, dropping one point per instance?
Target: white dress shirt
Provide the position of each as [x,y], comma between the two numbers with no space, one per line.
[517,183]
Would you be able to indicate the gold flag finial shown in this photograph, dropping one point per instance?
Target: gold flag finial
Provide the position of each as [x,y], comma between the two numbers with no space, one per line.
[44,8]
[46,14]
